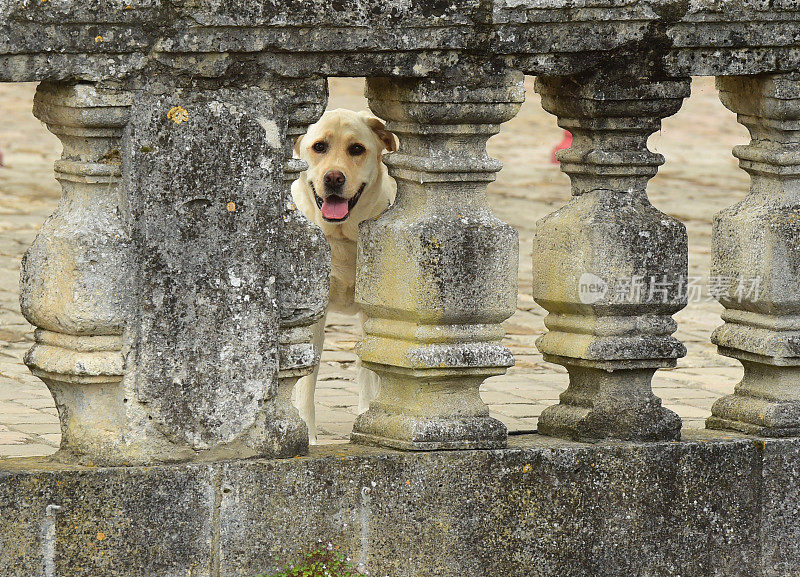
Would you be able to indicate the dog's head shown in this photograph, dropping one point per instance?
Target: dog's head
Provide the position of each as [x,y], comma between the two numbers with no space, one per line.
[344,154]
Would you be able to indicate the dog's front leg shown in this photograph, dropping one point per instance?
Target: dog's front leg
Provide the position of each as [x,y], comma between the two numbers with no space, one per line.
[303,394]
[369,383]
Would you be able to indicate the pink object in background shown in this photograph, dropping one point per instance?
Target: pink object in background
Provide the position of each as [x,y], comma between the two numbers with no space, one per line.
[565,143]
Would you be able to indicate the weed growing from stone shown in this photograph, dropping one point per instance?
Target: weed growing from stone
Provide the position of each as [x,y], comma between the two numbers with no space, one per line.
[320,563]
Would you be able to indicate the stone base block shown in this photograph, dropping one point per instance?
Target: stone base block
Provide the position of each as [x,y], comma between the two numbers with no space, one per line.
[430,409]
[609,403]
[428,434]
[754,416]
[713,504]
[650,422]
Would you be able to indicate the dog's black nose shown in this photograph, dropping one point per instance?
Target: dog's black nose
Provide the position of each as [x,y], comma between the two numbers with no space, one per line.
[334,179]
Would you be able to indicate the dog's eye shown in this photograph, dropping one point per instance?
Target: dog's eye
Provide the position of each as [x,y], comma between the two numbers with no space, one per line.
[320,146]
[356,149]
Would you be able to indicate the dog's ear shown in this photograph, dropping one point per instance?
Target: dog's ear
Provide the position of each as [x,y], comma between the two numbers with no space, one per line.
[297,142]
[388,139]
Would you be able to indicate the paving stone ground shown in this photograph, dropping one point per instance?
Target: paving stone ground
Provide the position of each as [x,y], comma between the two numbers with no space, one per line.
[700,178]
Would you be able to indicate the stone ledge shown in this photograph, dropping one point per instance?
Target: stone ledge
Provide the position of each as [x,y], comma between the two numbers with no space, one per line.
[713,504]
[70,40]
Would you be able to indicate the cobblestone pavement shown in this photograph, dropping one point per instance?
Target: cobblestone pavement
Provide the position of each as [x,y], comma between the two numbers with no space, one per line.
[699,179]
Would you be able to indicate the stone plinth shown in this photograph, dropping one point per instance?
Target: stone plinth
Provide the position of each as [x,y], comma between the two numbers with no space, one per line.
[713,505]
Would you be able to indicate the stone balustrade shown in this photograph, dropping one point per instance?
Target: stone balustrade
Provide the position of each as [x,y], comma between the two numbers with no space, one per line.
[174,289]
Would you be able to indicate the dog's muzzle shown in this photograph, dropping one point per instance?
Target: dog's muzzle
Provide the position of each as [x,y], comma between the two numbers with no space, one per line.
[332,206]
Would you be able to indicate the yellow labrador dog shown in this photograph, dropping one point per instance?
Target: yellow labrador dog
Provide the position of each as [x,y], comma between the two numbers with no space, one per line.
[346,183]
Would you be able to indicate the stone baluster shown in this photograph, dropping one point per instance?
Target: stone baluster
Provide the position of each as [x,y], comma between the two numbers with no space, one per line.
[304,257]
[75,276]
[609,267]
[756,261]
[437,271]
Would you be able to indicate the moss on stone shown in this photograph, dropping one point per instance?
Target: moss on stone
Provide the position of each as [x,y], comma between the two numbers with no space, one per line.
[325,562]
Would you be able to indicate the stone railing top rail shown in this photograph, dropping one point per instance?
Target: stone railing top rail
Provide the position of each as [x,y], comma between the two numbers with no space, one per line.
[119,39]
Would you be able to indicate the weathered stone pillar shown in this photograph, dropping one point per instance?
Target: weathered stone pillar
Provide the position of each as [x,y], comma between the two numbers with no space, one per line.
[437,272]
[175,285]
[208,203]
[756,261]
[608,266]
[304,257]
[75,276]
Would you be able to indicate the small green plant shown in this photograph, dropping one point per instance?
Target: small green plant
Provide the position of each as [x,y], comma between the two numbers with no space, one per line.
[320,563]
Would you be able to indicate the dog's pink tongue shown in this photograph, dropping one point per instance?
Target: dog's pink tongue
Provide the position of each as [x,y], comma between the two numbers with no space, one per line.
[334,207]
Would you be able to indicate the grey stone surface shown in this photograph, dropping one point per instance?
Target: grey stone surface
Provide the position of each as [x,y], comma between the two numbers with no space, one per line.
[303,255]
[142,522]
[781,497]
[666,509]
[696,142]
[165,318]
[75,277]
[712,505]
[206,198]
[68,40]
